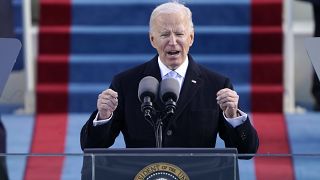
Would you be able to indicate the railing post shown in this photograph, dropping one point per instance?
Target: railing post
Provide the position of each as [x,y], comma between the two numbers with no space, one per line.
[29,104]
[289,84]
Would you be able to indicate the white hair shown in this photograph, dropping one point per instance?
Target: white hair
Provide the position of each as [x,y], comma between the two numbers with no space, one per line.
[168,8]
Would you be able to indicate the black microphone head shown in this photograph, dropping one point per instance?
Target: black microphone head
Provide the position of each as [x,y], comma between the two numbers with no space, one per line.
[148,86]
[169,89]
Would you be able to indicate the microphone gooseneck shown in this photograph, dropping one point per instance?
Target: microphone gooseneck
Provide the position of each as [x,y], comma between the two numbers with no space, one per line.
[146,107]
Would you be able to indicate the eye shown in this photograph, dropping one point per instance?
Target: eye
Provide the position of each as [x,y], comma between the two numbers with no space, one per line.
[179,34]
[164,35]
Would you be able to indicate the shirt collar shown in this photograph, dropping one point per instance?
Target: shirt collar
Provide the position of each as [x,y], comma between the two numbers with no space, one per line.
[181,70]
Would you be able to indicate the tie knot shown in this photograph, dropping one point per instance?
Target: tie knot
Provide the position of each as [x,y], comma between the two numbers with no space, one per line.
[175,75]
[171,74]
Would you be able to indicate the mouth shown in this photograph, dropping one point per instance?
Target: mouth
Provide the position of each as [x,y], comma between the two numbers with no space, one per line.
[173,53]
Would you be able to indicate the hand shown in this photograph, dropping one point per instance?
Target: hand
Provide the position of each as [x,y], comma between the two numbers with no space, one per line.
[107,103]
[228,102]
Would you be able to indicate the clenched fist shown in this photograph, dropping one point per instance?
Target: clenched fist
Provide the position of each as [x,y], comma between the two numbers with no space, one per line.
[107,103]
[228,102]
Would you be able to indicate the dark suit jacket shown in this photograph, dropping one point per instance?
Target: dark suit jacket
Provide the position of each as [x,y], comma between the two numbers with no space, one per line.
[196,123]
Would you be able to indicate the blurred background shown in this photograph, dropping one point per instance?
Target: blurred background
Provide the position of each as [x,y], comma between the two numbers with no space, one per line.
[71,49]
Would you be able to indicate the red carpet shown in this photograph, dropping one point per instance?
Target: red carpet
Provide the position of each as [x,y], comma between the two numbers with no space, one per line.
[49,137]
[52,90]
[267,90]
[273,140]
[266,55]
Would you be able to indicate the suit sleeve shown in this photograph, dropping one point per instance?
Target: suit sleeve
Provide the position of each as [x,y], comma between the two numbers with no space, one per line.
[103,136]
[244,137]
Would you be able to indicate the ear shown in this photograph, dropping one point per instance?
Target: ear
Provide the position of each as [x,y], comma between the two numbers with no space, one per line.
[191,38]
[151,38]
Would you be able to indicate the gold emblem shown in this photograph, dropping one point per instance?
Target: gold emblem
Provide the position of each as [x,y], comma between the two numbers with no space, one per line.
[161,171]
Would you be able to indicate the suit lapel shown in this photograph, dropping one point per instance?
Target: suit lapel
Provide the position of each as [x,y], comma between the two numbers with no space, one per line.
[152,69]
[190,87]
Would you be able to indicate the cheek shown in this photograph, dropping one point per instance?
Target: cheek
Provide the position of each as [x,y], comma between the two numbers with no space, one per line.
[185,47]
[185,43]
[188,41]
[161,44]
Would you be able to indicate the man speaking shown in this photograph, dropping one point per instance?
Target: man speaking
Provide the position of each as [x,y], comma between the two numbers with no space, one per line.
[206,105]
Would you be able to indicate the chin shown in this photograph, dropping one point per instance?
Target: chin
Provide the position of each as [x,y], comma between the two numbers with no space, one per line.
[174,60]
[174,66]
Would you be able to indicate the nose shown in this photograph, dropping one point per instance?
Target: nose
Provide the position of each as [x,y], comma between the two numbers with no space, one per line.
[172,40]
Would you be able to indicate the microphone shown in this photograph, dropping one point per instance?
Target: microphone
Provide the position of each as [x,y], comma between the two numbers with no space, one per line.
[147,92]
[169,93]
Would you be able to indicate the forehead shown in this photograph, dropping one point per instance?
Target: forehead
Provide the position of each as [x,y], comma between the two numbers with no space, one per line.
[171,17]
[171,20]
